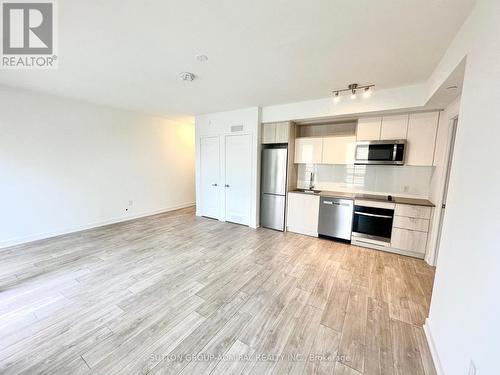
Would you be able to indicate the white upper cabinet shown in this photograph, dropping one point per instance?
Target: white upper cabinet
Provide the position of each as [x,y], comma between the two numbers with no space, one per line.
[275,132]
[308,150]
[369,129]
[421,139]
[339,150]
[418,129]
[382,128]
[282,132]
[328,150]
[268,133]
[394,127]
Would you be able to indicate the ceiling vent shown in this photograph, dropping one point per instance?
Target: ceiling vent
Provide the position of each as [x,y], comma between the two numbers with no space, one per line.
[236,128]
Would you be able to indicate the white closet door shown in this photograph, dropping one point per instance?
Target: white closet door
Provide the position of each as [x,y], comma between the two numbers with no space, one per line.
[238,178]
[210,177]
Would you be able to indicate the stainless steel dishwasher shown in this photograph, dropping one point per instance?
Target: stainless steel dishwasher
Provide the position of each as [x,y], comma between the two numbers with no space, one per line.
[335,218]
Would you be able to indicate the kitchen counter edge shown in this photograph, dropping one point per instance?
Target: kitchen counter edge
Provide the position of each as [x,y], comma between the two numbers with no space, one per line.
[370,197]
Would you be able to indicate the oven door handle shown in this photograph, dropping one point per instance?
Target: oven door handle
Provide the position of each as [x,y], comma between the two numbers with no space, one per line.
[373,215]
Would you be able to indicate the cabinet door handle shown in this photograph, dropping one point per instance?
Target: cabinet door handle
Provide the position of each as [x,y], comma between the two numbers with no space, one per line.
[372,215]
[227,185]
[214,184]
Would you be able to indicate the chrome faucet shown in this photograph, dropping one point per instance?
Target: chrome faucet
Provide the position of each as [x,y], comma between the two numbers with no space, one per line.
[311,181]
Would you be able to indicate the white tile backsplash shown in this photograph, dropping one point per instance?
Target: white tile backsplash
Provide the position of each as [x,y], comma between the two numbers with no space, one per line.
[401,180]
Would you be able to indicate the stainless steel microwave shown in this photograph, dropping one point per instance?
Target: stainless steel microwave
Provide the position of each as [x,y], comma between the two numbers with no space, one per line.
[380,152]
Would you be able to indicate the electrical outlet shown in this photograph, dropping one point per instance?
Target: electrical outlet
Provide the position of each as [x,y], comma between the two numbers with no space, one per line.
[407,188]
[130,203]
[472,368]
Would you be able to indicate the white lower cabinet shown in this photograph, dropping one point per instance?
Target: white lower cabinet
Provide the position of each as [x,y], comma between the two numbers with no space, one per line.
[411,223]
[410,229]
[408,210]
[409,240]
[303,213]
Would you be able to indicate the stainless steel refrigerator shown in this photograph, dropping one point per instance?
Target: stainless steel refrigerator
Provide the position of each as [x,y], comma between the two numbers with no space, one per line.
[273,187]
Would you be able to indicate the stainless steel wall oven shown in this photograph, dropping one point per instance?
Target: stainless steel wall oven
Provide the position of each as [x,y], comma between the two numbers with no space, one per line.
[373,223]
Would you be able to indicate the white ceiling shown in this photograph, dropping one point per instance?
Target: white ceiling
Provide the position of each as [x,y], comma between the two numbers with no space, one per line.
[129,54]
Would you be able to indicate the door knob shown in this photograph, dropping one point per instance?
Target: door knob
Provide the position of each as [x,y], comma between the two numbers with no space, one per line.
[227,185]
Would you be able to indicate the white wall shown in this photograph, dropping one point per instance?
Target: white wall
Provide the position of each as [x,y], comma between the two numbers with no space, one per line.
[219,124]
[66,165]
[400,98]
[464,322]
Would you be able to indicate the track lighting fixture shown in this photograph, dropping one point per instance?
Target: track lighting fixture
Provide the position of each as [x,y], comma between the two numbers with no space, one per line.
[353,89]
[336,97]
[367,93]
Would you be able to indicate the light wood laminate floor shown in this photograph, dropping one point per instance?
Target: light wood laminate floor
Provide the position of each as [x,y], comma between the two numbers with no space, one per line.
[174,293]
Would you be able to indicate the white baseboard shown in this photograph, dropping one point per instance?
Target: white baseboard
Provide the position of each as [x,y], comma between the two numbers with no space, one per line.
[432,348]
[305,232]
[375,246]
[42,236]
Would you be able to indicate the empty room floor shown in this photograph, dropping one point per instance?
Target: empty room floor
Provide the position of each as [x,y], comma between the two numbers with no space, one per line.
[175,293]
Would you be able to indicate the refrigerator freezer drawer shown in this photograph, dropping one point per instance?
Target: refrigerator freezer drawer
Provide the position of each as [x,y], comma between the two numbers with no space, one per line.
[272,211]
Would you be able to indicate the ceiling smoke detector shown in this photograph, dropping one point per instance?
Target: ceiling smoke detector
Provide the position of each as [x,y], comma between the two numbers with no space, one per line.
[187,76]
